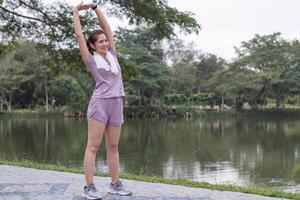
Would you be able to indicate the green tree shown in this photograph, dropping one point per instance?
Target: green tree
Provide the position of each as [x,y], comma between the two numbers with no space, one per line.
[181,58]
[27,80]
[291,77]
[205,66]
[14,72]
[143,50]
[269,56]
[236,84]
[264,53]
[266,67]
[25,70]
[191,69]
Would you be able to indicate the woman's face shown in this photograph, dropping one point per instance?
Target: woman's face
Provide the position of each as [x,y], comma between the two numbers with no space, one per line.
[101,46]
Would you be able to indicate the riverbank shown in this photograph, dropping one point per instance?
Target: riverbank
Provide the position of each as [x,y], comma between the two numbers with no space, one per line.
[166,112]
[210,188]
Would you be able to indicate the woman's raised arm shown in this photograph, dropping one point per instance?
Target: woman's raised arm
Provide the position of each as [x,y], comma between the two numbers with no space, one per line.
[78,31]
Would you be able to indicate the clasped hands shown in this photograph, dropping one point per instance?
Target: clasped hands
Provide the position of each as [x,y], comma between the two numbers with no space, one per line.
[83,6]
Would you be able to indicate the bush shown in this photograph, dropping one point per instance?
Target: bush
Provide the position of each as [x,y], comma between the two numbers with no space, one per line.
[175,99]
[132,99]
[201,98]
[292,100]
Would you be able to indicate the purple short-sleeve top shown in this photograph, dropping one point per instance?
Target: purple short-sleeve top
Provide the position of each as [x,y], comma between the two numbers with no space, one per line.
[108,84]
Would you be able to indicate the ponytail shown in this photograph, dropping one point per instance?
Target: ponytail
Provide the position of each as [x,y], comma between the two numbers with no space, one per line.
[91,50]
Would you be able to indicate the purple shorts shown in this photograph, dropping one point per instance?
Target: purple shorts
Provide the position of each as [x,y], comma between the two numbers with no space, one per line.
[108,111]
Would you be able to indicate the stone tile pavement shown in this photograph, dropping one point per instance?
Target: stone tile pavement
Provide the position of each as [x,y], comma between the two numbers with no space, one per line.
[18,183]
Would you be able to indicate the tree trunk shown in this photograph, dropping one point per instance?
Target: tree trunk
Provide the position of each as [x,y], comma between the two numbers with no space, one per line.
[222,106]
[254,105]
[153,98]
[140,99]
[9,102]
[46,93]
[198,87]
[46,137]
[264,105]
[277,103]
[283,103]
[1,103]
[234,104]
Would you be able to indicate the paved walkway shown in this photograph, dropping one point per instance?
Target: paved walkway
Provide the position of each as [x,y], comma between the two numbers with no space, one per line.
[17,183]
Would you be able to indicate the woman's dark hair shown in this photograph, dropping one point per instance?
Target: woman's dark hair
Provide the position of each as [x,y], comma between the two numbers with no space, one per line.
[92,39]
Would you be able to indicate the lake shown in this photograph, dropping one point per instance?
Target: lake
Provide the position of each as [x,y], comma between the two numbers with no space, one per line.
[244,150]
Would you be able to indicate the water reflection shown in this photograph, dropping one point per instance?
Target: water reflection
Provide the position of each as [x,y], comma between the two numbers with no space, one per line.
[243,150]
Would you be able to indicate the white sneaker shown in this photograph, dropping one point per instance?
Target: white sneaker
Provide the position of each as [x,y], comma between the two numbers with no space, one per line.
[91,193]
[118,189]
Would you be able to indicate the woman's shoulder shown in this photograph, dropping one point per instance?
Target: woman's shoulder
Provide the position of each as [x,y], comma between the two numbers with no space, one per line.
[89,59]
[89,62]
[113,52]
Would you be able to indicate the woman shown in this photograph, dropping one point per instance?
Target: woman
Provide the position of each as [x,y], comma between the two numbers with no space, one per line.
[105,110]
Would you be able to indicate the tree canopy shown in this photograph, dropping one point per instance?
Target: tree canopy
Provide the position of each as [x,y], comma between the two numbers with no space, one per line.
[266,67]
[53,23]
[52,26]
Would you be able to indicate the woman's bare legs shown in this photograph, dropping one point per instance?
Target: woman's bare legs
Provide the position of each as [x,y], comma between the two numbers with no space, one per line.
[112,134]
[95,134]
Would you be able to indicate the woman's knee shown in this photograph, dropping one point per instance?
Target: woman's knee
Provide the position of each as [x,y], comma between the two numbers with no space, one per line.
[92,148]
[112,147]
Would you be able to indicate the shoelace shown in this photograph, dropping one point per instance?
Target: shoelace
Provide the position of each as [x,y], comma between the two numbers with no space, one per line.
[91,187]
[118,184]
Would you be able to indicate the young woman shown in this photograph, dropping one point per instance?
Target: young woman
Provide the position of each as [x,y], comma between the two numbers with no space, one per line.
[105,110]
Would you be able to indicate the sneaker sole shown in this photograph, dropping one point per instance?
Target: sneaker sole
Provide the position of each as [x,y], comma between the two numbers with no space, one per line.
[120,194]
[89,198]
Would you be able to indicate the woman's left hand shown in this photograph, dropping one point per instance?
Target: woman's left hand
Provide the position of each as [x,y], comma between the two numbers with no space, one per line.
[86,6]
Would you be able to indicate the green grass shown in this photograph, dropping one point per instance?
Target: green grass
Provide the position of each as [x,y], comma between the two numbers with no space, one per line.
[252,189]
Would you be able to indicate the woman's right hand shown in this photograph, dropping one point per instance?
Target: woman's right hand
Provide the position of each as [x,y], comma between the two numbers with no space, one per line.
[76,8]
[82,6]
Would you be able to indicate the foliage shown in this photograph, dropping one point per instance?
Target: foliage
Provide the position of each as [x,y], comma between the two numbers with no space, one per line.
[181,58]
[266,67]
[181,99]
[205,66]
[201,98]
[291,80]
[131,99]
[51,26]
[20,70]
[271,57]
[26,74]
[53,23]
[146,55]
[175,99]
[296,171]
[191,69]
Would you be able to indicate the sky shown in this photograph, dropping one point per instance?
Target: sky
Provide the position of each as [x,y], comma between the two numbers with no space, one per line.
[226,23]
